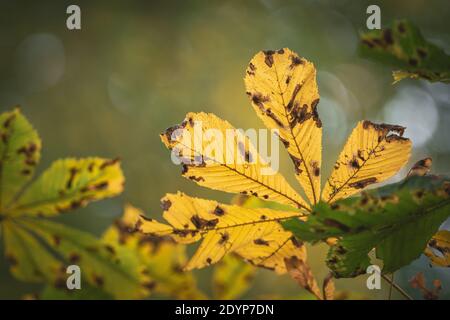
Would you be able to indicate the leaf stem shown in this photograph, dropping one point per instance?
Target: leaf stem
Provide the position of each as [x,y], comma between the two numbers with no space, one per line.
[390,287]
[397,287]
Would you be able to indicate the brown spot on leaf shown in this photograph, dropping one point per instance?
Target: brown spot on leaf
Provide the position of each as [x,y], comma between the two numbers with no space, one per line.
[259,100]
[108,163]
[98,280]
[201,223]
[293,96]
[165,204]
[295,61]
[413,62]
[269,57]
[74,258]
[224,238]
[422,53]
[336,224]
[297,164]
[261,242]
[196,179]
[363,183]
[315,167]
[354,164]
[218,211]
[295,242]
[8,121]
[387,36]
[12,260]
[72,173]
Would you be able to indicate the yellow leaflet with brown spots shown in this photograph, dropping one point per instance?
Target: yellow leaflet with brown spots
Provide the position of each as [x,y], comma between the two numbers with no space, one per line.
[235,166]
[438,249]
[271,252]
[372,154]
[254,234]
[283,91]
[69,184]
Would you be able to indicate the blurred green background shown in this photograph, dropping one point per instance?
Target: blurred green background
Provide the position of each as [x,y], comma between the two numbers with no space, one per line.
[137,67]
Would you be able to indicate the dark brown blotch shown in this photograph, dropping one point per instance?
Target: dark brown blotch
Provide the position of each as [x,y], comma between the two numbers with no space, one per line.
[201,223]
[269,57]
[218,211]
[261,242]
[363,183]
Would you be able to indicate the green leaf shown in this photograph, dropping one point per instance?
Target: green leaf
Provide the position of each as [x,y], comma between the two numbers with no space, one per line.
[69,184]
[232,277]
[397,220]
[19,153]
[403,46]
[29,259]
[101,265]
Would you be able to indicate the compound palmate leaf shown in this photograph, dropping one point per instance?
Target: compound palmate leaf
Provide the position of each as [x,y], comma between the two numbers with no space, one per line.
[372,154]
[233,166]
[283,91]
[39,250]
[254,234]
[397,220]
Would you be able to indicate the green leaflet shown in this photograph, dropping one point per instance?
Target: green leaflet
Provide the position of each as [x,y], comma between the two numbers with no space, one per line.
[403,46]
[29,259]
[102,266]
[20,148]
[397,220]
[69,184]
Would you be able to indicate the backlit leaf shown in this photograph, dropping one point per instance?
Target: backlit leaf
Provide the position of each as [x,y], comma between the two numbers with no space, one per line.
[236,167]
[372,154]
[255,235]
[69,184]
[397,220]
[283,91]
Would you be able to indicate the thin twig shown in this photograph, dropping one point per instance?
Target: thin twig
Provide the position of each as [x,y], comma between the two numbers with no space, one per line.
[397,287]
[390,287]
